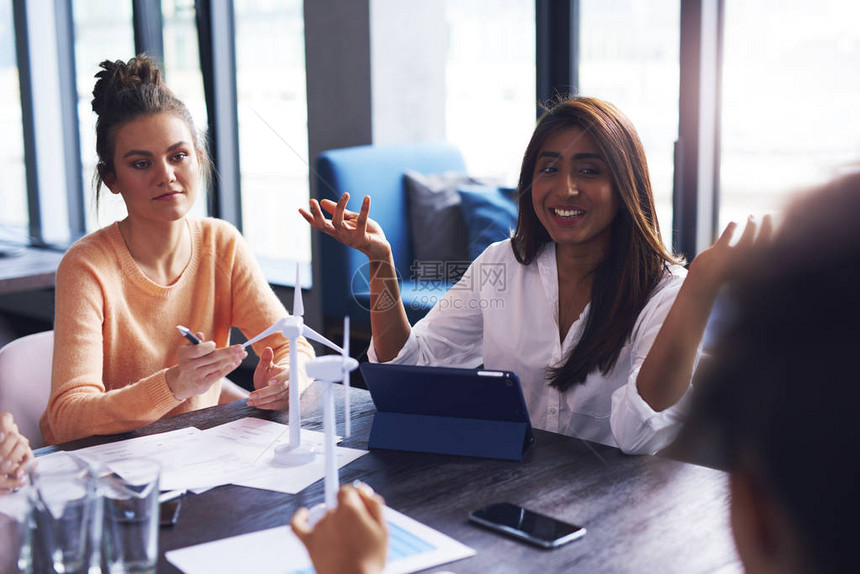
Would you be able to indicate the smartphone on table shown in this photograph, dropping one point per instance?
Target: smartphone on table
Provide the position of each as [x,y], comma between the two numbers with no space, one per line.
[169,511]
[527,525]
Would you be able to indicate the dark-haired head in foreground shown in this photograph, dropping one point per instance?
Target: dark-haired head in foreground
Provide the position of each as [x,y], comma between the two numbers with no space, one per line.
[781,400]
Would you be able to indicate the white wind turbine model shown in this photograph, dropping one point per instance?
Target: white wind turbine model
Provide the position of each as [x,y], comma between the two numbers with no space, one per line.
[292,327]
[329,370]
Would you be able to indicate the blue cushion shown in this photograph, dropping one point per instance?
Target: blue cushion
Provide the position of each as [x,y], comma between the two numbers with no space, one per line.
[438,230]
[490,214]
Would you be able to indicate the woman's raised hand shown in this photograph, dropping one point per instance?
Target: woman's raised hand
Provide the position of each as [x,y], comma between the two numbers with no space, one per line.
[353,229]
[722,261]
[388,323]
[665,374]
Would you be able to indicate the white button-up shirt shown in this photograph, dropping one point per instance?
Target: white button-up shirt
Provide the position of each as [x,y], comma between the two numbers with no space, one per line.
[504,315]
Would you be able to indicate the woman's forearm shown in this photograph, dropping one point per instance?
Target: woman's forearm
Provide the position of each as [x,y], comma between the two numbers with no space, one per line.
[668,368]
[388,322]
[666,372]
[87,409]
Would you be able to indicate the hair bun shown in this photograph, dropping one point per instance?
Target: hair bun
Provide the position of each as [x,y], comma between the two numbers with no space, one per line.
[118,78]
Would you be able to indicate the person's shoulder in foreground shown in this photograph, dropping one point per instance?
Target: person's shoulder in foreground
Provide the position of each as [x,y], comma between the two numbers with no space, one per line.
[780,402]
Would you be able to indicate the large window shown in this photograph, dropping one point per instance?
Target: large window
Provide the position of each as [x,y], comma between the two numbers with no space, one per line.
[13,185]
[273,131]
[790,90]
[490,82]
[103,31]
[630,57]
[787,106]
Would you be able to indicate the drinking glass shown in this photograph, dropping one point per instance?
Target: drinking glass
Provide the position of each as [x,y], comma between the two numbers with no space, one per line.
[67,513]
[131,516]
[15,539]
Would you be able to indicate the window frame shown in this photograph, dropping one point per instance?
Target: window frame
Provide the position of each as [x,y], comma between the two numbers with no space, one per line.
[215,19]
[695,194]
[37,103]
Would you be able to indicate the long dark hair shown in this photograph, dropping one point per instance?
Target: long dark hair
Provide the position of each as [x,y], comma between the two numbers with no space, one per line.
[637,258]
[129,90]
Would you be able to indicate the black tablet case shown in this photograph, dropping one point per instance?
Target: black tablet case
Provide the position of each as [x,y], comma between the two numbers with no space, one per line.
[448,411]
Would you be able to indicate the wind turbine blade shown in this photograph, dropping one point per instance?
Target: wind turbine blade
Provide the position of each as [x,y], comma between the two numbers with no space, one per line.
[298,305]
[273,329]
[346,419]
[311,334]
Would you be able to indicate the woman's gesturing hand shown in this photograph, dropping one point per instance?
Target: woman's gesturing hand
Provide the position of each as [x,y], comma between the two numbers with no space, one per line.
[271,384]
[723,261]
[353,229]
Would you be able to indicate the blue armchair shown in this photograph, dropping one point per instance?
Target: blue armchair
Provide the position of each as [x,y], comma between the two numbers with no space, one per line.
[376,171]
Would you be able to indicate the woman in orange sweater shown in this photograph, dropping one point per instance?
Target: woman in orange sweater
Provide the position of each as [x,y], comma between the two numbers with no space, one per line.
[119,363]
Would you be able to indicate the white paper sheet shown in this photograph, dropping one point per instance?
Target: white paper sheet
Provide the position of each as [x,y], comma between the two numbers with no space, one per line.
[239,452]
[144,446]
[292,480]
[412,546]
[257,439]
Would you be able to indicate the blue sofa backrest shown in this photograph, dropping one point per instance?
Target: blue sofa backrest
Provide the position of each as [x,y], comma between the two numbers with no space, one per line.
[376,171]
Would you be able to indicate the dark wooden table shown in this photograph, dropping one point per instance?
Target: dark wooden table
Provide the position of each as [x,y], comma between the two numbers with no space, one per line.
[643,514]
[31,269]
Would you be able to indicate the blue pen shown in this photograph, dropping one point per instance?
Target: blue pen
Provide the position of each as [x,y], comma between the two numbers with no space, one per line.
[186,332]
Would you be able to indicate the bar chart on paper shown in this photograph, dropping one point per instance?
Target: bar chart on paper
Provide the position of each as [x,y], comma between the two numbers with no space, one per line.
[404,544]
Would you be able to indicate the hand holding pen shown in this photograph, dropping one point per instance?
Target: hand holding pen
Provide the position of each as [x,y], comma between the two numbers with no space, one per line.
[186,332]
[200,365]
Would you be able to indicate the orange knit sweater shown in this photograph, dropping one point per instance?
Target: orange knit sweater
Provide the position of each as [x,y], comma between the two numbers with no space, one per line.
[115,329]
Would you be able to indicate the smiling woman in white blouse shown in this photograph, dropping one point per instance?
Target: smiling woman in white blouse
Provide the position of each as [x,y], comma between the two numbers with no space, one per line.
[600,322]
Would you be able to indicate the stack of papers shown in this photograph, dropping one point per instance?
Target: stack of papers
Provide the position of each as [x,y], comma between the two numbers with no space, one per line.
[239,452]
